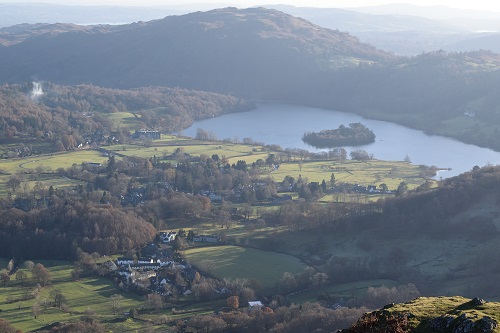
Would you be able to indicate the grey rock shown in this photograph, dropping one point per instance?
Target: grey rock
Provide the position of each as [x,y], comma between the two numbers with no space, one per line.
[463,325]
[441,323]
[477,301]
[486,325]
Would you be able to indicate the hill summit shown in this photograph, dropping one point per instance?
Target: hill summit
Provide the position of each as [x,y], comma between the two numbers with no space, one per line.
[245,51]
[432,314]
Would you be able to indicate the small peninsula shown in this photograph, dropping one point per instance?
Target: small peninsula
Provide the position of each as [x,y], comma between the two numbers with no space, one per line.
[355,135]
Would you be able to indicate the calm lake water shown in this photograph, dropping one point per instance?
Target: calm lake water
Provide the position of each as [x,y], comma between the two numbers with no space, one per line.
[284,125]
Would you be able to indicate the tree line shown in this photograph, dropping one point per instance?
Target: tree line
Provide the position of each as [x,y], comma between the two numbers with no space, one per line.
[67,116]
[355,135]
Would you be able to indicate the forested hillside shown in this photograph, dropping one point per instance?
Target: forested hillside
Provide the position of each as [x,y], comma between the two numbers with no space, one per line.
[253,52]
[73,115]
[263,54]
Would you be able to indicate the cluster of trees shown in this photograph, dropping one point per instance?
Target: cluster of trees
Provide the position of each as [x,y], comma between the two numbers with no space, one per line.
[6,327]
[72,115]
[56,231]
[101,216]
[308,317]
[355,135]
[309,278]
[23,117]
[164,109]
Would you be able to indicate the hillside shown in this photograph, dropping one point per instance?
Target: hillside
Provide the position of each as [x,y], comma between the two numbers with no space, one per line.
[251,52]
[443,240]
[432,314]
[67,116]
[489,41]
[264,54]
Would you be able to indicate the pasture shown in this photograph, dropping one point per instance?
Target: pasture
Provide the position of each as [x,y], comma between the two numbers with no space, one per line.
[87,293]
[241,262]
[341,290]
[372,172]
[51,162]
[122,120]
[165,147]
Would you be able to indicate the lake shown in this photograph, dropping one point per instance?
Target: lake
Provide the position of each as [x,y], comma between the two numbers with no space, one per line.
[284,125]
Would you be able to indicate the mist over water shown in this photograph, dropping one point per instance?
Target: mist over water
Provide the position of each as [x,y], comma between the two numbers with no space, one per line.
[284,125]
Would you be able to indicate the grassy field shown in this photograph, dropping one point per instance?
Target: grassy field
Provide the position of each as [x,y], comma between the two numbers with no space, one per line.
[423,309]
[65,160]
[87,293]
[239,262]
[122,120]
[51,162]
[166,147]
[373,172]
[342,290]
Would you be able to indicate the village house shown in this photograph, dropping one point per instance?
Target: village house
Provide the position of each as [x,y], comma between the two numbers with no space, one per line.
[255,305]
[167,237]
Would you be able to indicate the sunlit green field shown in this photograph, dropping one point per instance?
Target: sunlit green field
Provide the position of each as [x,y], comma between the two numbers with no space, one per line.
[233,152]
[123,120]
[51,162]
[87,293]
[81,295]
[373,172]
[239,262]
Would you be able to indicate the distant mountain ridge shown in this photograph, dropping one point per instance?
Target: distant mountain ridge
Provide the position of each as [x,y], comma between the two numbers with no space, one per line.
[250,52]
[264,54]
[33,13]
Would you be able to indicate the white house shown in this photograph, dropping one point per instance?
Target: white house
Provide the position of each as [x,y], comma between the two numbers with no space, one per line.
[255,305]
[167,237]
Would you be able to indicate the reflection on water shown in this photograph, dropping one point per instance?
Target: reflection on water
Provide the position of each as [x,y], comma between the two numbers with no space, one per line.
[284,125]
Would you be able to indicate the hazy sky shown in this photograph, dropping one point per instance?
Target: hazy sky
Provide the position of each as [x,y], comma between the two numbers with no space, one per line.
[491,5]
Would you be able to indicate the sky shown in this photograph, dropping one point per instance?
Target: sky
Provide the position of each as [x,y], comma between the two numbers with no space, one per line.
[490,5]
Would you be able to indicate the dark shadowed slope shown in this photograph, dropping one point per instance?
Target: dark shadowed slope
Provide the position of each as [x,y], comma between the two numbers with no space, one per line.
[253,52]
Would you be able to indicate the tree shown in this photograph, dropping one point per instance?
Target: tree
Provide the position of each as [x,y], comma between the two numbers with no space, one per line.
[21,276]
[35,309]
[222,217]
[360,155]
[332,180]
[89,316]
[41,275]
[58,297]
[13,183]
[4,277]
[287,283]
[29,265]
[383,187]
[207,323]
[115,302]
[233,302]
[179,244]
[319,279]
[402,188]
[246,210]
[5,327]
[155,301]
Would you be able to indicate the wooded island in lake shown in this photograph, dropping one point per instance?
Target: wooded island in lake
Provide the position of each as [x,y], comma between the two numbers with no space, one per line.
[355,135]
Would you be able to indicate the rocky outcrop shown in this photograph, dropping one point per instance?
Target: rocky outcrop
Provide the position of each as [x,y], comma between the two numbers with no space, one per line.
[462,324]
